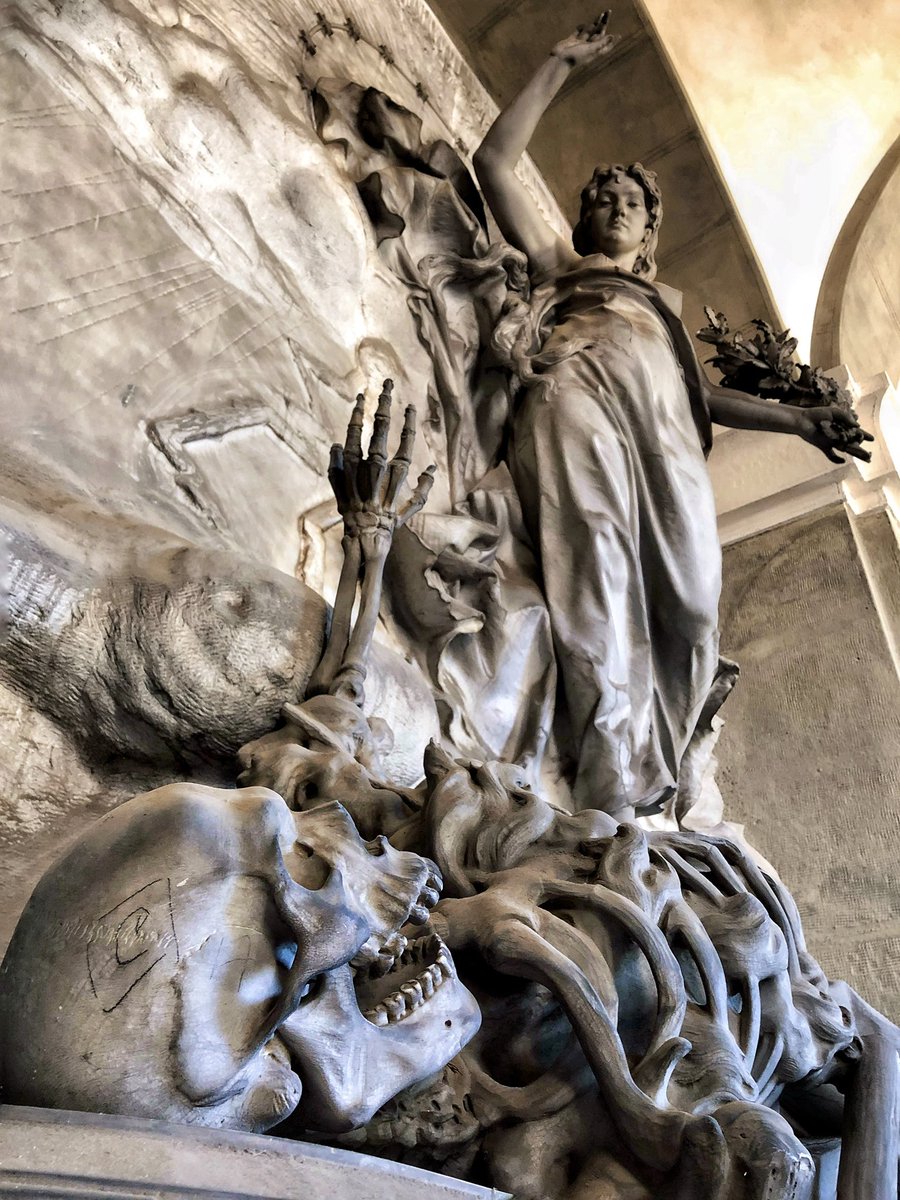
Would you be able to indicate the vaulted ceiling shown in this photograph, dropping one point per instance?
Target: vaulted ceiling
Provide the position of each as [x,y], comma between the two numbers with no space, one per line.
[630,108]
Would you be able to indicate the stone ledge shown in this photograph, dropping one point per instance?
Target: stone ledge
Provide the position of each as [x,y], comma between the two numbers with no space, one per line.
[51,1153]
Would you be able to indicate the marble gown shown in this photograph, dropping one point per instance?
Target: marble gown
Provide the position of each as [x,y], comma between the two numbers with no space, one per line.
[608,455]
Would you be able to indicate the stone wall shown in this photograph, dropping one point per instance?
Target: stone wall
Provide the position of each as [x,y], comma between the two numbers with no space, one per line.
[809,759]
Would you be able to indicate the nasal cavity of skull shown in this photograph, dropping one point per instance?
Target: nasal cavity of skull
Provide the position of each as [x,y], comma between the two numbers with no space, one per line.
[311,989]
[285,954]
[308,868]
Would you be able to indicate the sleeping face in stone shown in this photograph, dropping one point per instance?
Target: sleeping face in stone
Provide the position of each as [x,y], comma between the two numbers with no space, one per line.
[210,957]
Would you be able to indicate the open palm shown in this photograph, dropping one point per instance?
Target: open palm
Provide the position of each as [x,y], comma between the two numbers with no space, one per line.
[587,44]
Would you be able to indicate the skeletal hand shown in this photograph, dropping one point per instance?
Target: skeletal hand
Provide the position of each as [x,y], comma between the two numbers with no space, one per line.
[831,428]
[587,44]
[367,488]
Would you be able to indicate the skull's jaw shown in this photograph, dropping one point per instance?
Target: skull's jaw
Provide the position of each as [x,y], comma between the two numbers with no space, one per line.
[350,1063]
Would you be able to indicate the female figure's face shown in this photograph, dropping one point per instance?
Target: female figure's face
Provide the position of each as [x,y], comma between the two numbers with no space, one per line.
[618,222]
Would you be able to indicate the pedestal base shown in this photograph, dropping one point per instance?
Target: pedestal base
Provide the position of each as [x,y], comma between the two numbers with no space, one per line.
[49,1153]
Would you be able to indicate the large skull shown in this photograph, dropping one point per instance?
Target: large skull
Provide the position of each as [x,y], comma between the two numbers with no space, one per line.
[178,960]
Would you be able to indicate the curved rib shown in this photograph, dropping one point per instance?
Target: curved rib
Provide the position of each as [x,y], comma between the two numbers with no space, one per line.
[654,1133]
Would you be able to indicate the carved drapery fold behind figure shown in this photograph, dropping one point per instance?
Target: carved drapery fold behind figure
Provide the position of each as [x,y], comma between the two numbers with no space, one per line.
[460,585]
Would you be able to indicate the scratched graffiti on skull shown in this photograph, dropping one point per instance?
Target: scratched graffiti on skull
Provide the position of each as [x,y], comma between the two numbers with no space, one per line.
[129,940]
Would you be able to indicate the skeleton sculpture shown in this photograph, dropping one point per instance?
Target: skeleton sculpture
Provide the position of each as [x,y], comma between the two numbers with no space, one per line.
[326,747]
[651,1025]
[212,957]
[648,1003]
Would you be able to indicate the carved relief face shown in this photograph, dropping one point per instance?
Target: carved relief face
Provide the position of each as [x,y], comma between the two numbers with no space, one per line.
[176,962]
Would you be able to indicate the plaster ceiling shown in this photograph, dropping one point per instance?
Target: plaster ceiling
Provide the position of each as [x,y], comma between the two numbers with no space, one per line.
[631,107]
[762,121]
[800,102]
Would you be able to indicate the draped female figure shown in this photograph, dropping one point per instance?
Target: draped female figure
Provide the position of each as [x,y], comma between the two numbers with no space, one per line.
[608,450]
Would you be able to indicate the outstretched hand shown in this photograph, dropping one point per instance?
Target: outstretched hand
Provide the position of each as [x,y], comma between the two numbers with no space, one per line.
[832,428]
[587,44]
[367,489]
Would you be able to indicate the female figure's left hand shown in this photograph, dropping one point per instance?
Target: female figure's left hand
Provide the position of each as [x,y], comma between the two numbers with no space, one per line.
[831,428]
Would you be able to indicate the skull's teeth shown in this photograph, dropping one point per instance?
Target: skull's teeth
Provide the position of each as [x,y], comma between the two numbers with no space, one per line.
[411,954]
[393,950]
[396,1007]
[411,995]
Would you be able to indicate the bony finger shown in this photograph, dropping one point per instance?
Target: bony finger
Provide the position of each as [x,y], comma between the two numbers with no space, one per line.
[867,437]
[337,477]
[381,425]
[418,497]
[858,452]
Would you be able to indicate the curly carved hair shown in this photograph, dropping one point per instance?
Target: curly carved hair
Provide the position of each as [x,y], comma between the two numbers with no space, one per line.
[645,263]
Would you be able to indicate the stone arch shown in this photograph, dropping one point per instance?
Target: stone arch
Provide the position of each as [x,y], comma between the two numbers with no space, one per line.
[857,320]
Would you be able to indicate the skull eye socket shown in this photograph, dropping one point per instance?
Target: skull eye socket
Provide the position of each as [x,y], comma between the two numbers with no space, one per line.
[378,846]
[312,989]
[309,869]
[285,953]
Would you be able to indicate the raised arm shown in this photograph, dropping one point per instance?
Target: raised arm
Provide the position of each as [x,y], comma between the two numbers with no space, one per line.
[515,212]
